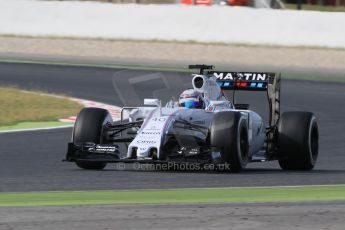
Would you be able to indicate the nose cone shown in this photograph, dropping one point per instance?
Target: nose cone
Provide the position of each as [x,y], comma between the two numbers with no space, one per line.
[142,152]
[146,141]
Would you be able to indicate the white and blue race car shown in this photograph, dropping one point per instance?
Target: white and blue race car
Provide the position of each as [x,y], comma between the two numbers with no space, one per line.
[219,132]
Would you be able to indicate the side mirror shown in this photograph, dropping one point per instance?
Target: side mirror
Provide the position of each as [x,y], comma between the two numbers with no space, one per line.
[154,102]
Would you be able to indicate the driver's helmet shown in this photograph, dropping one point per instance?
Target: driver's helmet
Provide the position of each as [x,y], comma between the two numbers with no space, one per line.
[191,98]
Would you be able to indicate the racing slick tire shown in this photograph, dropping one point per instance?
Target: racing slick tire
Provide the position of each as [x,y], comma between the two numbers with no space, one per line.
[298,141]
[88,128]
[229,135]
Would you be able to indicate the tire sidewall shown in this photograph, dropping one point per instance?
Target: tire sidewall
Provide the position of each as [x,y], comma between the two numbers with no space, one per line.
[242,127]
[312,156]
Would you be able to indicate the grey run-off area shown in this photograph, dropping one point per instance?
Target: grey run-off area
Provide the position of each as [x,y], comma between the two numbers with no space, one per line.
[197,216]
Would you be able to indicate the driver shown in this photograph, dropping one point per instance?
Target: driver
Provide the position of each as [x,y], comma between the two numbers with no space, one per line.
[190,98]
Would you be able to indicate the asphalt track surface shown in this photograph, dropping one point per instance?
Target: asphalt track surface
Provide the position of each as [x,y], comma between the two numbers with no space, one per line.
[31,161]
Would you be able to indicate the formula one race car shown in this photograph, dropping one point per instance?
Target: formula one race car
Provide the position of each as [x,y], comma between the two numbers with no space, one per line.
[202,127]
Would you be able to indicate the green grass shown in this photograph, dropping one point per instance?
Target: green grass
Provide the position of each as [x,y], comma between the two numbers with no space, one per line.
[316,7]
[17,106]
[212,195]
[37,124]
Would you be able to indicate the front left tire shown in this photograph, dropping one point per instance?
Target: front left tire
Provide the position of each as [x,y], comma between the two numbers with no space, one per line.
[88,128]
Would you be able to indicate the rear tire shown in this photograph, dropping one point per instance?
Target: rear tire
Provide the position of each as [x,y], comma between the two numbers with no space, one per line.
[88,128]
[298,141]
[229,135]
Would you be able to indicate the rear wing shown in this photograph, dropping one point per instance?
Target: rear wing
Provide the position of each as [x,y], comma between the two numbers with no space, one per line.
[254,81]
[243,80]
[251,81]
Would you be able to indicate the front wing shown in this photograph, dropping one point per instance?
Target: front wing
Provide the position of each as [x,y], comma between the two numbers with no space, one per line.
[110,153]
